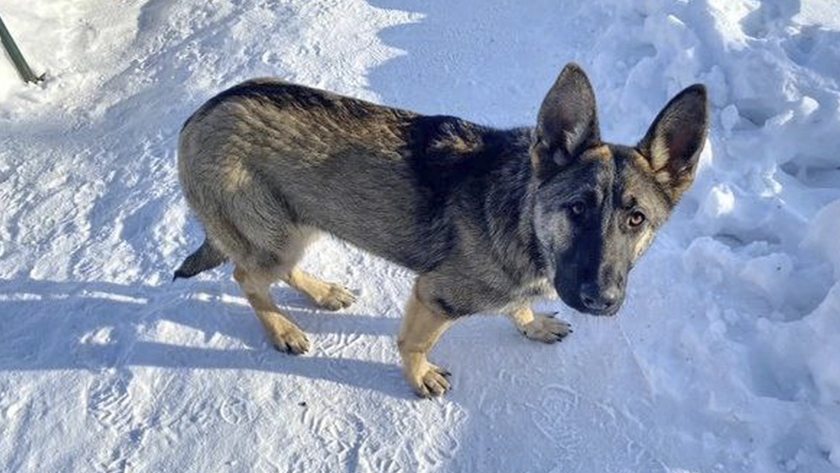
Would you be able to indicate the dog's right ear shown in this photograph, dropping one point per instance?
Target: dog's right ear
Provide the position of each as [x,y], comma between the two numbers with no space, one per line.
[567,123]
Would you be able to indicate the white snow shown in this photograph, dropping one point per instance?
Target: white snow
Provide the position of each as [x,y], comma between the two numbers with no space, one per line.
[724,358]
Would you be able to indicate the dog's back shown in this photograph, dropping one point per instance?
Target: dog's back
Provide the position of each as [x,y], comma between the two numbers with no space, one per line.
[266,158]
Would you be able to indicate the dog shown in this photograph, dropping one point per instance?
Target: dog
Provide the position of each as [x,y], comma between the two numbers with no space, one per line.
[488,219]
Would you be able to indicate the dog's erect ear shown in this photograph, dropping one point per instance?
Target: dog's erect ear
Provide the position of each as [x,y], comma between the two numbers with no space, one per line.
[674,141]
[567,123]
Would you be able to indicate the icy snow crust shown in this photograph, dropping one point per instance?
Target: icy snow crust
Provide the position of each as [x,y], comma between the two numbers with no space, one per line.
[726,354]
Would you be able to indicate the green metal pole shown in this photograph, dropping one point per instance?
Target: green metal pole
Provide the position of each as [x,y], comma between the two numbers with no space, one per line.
[17,58]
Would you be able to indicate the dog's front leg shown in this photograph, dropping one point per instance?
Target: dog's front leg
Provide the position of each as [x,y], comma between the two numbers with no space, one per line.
[421,328]
[541,327]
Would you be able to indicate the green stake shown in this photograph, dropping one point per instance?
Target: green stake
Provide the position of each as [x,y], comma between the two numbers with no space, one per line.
[17,58]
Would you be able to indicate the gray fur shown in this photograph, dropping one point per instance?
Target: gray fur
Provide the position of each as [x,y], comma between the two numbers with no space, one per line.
[485,217]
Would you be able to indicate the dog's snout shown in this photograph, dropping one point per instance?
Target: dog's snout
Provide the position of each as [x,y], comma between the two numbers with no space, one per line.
[599,300]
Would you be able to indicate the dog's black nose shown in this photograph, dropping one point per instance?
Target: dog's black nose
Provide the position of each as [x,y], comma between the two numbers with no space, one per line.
[599,300]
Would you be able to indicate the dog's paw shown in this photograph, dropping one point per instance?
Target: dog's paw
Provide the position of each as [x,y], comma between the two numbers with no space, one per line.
[289,340]
[337,297]
[429,381]
[546,329]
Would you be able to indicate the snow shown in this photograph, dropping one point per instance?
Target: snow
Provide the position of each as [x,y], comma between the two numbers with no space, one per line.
[724,358]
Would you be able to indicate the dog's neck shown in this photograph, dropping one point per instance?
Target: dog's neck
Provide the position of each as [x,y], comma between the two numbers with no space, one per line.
[508,207]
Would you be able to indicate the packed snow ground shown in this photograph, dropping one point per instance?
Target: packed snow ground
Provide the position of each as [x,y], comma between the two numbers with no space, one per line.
[725,358]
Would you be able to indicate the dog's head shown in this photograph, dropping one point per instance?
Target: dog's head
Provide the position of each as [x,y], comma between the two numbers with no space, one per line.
[598,205]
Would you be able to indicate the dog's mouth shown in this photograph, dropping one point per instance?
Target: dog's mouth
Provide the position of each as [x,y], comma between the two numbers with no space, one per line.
[609,312]
[575,302]
[605,312]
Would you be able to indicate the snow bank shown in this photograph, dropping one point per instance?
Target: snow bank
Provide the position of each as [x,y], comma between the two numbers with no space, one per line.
[723,359]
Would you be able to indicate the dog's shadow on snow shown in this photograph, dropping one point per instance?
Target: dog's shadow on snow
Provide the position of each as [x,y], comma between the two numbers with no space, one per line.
[46,325]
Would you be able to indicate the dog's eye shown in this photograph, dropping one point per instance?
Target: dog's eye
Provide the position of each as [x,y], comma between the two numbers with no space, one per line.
[578,208]
[636,219]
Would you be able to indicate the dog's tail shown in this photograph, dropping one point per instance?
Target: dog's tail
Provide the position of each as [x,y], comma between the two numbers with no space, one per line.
[205,257]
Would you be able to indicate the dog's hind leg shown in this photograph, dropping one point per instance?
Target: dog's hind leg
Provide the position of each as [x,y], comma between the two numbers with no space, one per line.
[541,327]
[285,335]
[288,249]
[328,295]
[289,245]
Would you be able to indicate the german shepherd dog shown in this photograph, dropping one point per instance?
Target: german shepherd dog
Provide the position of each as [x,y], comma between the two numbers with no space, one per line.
[488,219]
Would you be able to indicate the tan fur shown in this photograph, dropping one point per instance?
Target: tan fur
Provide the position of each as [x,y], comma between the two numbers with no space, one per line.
[421,327]
[464,141]
[599,152]
[659,160]
[644,241]
[540,327]
[673,188]
[678,187]
[285,335]
[659,154]
[534,154]
[327,295]
[641,161]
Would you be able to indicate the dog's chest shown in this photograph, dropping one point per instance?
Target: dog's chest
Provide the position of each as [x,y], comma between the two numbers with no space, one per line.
[540,288]
[535,289]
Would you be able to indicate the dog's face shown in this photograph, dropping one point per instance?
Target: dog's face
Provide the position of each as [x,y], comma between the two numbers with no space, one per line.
[599,205]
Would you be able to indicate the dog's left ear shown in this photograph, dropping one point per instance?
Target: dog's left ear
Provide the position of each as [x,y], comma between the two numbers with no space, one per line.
[674,141]
[567,123]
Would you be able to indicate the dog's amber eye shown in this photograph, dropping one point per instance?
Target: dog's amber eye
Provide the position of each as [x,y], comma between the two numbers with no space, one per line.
[636,219]
[578,208]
